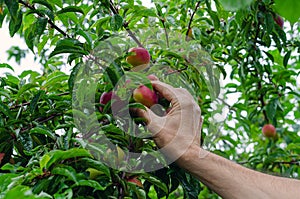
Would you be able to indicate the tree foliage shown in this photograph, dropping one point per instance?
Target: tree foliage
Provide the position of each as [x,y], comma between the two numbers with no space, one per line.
[44,117]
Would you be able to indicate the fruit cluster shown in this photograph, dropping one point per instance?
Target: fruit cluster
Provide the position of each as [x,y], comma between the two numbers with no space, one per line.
[139,58]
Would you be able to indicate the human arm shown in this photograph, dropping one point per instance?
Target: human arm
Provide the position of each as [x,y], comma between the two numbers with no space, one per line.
[179,132]
[231,180]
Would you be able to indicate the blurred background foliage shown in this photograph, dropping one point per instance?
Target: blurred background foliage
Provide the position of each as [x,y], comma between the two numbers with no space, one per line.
[254,58]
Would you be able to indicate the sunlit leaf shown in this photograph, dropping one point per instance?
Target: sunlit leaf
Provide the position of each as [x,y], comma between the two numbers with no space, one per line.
[233,5]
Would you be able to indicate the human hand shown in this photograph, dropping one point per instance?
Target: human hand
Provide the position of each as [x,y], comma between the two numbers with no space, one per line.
[180,128]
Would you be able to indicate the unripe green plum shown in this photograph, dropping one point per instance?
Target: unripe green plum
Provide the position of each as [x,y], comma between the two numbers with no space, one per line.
[269,131]
[140,56]
[145,96]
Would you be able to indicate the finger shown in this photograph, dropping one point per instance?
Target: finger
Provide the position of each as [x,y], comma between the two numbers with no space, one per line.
[138,112]
[152,77]
[166,90]
[154,123]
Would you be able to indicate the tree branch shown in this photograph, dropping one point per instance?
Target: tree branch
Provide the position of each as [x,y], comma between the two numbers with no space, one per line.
[28,103]
[191,20]
[31,7]
[125,25]
[41,120]
[261,99]
[259,84]
[166,32]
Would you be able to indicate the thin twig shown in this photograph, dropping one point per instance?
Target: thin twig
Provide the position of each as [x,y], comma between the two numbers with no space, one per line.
[166,32]
[259,84]
[28,103]
[125,25]
[20,105]
[191,20]
[31,7]
[261,99]
[131,34]
[41,121]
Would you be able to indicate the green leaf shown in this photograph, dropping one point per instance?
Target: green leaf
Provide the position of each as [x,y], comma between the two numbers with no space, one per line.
[66,171]
[88,162]
[144,13]
[44,160]
[35,31]
[269,21]
[25,88]
[116,22]
[215,19]
[44,3]
[70,9]
[29,38]
[73,76]
[156,182]
[25,192]
[90,183]
[138,191]
[43,131]
[35,100]
[57,155]
[233,5]
[2,16]
[271,109]
[15,23]
[12,167]
[270,56]
[288,9]
[68,46]
[41,45]
[13,7]
[6,66]
[59,78]
[40,26]
[5,110]
[59,3]
[5,180]
[286,58]
[86,36]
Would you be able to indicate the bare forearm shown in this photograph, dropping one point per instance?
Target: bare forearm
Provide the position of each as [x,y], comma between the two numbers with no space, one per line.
[231,180]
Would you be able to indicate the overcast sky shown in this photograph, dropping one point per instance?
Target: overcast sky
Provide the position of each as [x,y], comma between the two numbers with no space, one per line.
[7,42]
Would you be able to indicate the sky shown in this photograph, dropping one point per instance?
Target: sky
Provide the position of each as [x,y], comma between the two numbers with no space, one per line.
[6,43]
